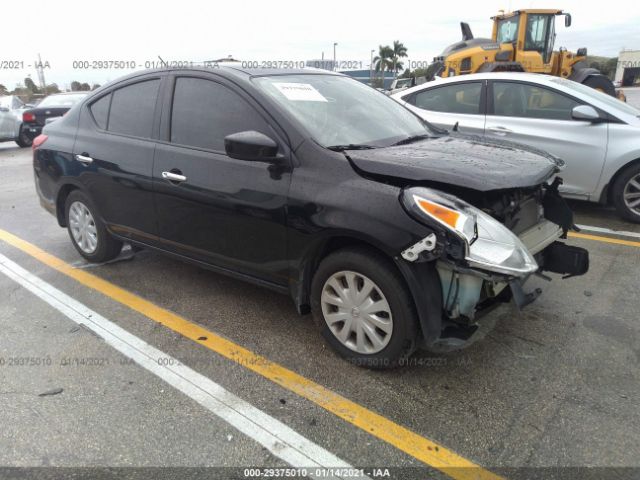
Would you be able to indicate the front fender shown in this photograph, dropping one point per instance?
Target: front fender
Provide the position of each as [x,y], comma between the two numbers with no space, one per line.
[580,75]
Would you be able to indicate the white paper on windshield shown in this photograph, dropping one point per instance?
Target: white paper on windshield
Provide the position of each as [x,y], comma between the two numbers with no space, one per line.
[299,92]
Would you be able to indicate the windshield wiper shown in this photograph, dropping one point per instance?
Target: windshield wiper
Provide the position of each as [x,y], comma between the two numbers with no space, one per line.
[413,138]
[350,146]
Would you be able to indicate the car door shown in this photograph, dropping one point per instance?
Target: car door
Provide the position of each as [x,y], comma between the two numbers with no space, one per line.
[4,120]
[542,117]
[113,153]
[7,118]
[223,211]
[17,109]
[445,105]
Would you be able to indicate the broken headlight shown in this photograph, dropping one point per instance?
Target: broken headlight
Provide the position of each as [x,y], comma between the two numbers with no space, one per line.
[489,245]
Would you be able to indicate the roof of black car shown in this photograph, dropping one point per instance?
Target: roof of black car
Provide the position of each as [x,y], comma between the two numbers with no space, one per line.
[226,70]
[237,70]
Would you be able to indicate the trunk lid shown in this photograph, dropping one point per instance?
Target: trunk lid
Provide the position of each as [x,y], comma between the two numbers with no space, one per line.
[43,113]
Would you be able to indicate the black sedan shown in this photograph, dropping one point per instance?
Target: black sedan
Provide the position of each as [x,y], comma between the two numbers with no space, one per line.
[51,108]
[394,234]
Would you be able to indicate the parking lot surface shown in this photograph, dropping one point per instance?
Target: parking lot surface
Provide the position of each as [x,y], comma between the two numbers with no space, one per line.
[553,387]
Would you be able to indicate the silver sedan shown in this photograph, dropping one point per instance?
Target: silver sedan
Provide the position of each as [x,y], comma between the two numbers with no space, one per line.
[596,135]
[11,110]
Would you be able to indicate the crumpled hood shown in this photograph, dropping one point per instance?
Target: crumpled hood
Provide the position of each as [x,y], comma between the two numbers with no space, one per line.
[461,160]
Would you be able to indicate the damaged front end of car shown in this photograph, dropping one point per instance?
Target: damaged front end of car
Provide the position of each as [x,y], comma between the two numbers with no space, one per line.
[487,245]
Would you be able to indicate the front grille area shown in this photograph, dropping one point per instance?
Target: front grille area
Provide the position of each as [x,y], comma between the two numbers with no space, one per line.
[526,216]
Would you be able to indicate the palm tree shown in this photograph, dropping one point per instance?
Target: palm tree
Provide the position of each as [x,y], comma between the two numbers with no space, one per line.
[383,60]
[397,52]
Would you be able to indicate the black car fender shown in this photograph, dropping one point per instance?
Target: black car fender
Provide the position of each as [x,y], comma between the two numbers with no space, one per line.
[424,283]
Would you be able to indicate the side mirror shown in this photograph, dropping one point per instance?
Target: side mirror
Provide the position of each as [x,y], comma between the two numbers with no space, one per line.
[585,112]
[567,20]
[250,145]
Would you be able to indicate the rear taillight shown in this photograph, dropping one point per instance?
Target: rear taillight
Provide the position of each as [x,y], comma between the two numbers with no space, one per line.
[39,140]
[28,117]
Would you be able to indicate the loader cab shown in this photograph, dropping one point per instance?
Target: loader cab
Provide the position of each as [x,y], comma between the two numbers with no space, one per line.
[531,34]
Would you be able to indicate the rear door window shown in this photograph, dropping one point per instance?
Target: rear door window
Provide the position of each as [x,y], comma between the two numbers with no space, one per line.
[456,98]
[132,109]
[204,112]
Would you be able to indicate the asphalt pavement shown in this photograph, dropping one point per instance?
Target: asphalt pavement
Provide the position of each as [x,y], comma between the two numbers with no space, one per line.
[553,387]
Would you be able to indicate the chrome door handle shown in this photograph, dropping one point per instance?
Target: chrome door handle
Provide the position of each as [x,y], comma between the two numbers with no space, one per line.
[84,159]
[500,130]
[174,177]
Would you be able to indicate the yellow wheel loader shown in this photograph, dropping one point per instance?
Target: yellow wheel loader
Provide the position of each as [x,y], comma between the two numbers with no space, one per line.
[522,41]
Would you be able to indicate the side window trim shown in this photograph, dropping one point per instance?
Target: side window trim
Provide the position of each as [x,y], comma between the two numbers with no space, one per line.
[490,96]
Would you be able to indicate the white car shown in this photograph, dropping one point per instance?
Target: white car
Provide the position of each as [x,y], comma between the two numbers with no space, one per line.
[596,135]
[11,110]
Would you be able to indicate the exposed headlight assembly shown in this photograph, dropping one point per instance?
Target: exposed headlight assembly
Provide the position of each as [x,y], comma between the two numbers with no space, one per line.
[489,245]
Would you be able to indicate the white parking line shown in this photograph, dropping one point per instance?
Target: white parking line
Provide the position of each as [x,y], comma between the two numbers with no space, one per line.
[622,233]
[280,440]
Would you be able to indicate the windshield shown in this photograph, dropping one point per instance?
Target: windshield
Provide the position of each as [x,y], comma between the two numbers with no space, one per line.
[603,97]
[338,110]
[62,100]
[508,29]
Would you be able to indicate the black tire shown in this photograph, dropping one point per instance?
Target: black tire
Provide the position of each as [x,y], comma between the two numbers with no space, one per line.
[388,280]
[24,140]
[601,83]
[107,247]
[618,190]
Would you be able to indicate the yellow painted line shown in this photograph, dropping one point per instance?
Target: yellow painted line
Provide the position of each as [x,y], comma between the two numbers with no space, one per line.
[419,447]
[599,238]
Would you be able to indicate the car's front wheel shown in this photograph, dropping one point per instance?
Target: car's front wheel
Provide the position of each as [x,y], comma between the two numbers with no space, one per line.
[363,308]
[626,193]
[88,233]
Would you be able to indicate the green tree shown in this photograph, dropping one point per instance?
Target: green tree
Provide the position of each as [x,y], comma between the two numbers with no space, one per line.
[398,51]
[382,61]
[75,86]
[606,65]
[3,90]
[31,86]
[85,87]
[52,88]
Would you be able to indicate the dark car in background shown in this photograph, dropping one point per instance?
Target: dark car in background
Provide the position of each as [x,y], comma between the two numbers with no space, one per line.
[394,234]
[50,108]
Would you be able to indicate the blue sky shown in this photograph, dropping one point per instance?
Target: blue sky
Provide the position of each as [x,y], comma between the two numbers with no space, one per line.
[276,30]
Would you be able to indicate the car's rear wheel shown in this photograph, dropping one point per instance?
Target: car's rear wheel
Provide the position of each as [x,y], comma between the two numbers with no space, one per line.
[363,308]
[626,193]
[87,231]
[24,140]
